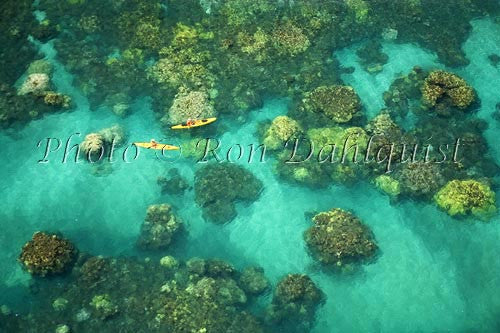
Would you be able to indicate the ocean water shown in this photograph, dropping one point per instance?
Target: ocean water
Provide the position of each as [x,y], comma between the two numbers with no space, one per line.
[433,274]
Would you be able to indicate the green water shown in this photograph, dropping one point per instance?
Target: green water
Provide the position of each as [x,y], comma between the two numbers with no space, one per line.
[433,273]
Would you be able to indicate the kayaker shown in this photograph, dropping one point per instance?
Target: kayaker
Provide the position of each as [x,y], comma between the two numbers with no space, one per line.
[190,122]
[153,143]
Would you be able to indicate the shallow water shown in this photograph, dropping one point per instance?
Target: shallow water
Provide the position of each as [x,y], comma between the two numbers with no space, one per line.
[433,273]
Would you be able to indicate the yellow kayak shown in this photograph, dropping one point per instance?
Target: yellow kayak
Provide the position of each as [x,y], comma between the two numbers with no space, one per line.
[197,123]
[158,146]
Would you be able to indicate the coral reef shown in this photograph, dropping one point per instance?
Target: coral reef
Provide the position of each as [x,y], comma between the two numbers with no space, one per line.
[404,93]
[360,8]
[148,35]
[253,281]
[494,59]
[192,311]
[56,99]
[464,197]
[197,50]
[103,306]
[114,133]
[189,105]
[17,22]
[89,24]
[119,104]
[93,271]
[337,103]
[219,268]
[159,228]
[174,184]
[309,173]
[255,45]
[389,34]
[383,125]
[496,113]
[340,137]
[421,179]
[295,299]
[226,290]
[167,296]
[193,148]
[47,254]
[15,107]
[289,39]
[63,329]
[174,71]
[371,56]
[387,139]
[245,12]
[388,185]
[331,161]
[60,304]
[169,262]
[92,144]
[184,63]
[24,104]
[219,186]
[202,58]
[281,129]
[338,238]
[45,31]
[96,144]
[36,84]
[40,67]
[196,266]
[442,89]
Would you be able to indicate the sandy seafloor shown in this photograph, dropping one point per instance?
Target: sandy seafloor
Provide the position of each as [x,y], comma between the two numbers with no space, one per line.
[434,273]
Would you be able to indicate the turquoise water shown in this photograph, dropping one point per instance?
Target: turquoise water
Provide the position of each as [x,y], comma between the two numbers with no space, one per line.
[433,274]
